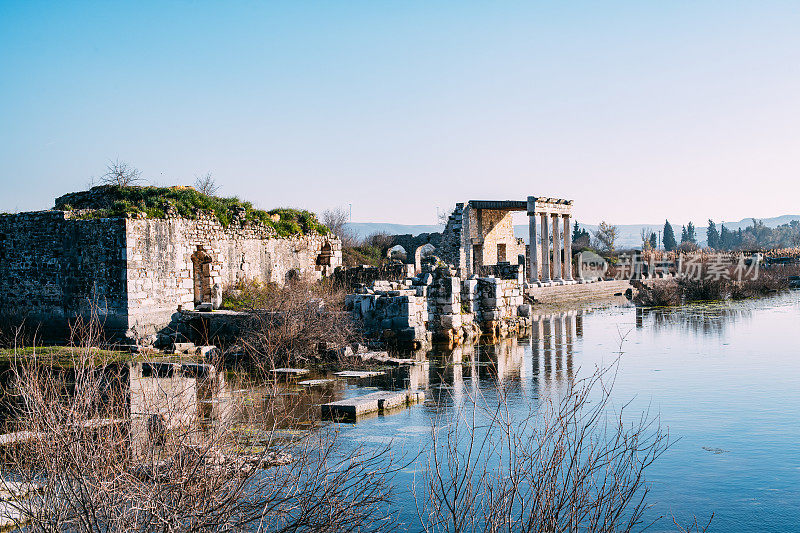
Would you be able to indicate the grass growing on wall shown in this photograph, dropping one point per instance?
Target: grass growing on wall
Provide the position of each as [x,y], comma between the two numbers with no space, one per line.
[156,202]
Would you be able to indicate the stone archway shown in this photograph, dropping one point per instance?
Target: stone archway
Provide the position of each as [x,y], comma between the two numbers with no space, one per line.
[201,276]
[397,252]
[423,251]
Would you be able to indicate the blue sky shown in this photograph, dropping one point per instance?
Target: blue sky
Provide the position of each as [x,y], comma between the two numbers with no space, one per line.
[636,110]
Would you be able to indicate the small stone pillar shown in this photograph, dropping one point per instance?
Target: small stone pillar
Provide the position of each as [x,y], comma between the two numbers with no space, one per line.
[545,248]
[567,249]
[533,251]
[556,248]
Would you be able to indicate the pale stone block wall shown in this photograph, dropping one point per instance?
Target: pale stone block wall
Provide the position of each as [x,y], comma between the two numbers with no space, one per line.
[161,270]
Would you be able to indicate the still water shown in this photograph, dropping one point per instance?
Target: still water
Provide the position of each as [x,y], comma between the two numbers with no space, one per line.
[724,379]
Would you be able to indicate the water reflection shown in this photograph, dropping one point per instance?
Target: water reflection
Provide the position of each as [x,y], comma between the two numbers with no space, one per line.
[552,344]
[701,318]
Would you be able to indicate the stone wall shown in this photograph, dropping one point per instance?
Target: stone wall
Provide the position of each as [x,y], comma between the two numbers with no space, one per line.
[177,261]
[53,269]
[578,292]
[439,306]
[488,238]
[135,273]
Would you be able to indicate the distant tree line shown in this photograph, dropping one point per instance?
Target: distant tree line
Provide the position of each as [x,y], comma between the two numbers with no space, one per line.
[754,236]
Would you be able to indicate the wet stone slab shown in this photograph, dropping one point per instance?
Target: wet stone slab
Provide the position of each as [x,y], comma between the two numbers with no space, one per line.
[314,382]
[358,374]
[379,402]
[288,372]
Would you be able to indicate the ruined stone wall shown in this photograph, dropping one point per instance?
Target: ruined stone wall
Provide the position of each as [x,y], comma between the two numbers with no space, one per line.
[450,248]
[54,269]
[488,228]
[163,260]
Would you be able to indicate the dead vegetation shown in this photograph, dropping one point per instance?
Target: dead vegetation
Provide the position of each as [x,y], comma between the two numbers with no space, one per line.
[705,285]
[298,324]
[104,451]
[570,465]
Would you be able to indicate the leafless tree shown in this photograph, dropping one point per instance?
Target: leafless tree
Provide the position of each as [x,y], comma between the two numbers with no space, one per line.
[336,220]
[379,239]
[444,216]
[572,465]
[290,323]
[646,234]
[121,174]
[605,237]
[98,448]
[206,184]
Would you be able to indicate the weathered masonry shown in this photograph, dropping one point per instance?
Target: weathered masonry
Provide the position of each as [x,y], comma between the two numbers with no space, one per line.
[479,238]
[134,273]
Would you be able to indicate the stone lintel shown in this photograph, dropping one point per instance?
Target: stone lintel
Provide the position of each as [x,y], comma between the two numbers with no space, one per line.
[499,205]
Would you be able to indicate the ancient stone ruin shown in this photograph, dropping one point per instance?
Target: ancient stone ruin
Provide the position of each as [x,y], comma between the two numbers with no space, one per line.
[476,277]
[134,272]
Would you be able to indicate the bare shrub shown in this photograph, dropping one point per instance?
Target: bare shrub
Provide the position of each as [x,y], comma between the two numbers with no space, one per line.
[99,461]
[291,323]
[721,284]
[660,293]
[206,184]
[571,466]
[121,174]
[336,220]
[381,240]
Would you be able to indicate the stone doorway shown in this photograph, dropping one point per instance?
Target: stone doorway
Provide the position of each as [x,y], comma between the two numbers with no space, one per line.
[201,274]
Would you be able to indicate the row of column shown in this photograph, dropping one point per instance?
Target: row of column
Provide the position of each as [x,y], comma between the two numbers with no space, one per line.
[560,272]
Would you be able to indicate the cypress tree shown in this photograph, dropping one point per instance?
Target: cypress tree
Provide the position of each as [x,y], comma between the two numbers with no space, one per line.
[684,235]
[669,237]
[690,236]
[653,241]
[712,235]
[724,238]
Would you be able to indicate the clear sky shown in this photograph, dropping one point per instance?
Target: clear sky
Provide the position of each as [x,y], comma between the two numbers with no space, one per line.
[636,110]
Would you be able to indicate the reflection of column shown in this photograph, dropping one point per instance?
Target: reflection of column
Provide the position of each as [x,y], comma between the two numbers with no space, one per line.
[548,346]
[559,335]
[536,336]
[567,249]
[556,248]
[533,264]
[545,247]
[579,325]
[568,324]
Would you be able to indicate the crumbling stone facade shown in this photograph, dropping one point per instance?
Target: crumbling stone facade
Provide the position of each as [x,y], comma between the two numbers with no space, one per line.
[439,306]
[135,273]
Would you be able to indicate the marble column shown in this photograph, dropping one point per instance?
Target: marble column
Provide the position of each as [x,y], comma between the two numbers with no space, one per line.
[533,251]
[567,248]
[545,247]
[556,248]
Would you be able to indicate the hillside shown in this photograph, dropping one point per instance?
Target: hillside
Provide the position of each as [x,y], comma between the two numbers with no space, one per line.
[630,234]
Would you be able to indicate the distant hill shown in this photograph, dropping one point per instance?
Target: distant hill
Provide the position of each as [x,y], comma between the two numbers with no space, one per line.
[630,234]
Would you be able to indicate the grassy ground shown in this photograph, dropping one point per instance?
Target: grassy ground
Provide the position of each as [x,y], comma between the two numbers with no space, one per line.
[64,356]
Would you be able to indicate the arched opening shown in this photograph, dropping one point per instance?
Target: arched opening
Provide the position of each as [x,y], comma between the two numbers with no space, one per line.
[201,274]
[421,253]
[325,254]
[396,252]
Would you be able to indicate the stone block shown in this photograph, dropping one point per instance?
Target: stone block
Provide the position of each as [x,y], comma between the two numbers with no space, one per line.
[450,321]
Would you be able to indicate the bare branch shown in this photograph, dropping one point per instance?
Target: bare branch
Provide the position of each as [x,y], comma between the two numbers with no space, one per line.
[121,174]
